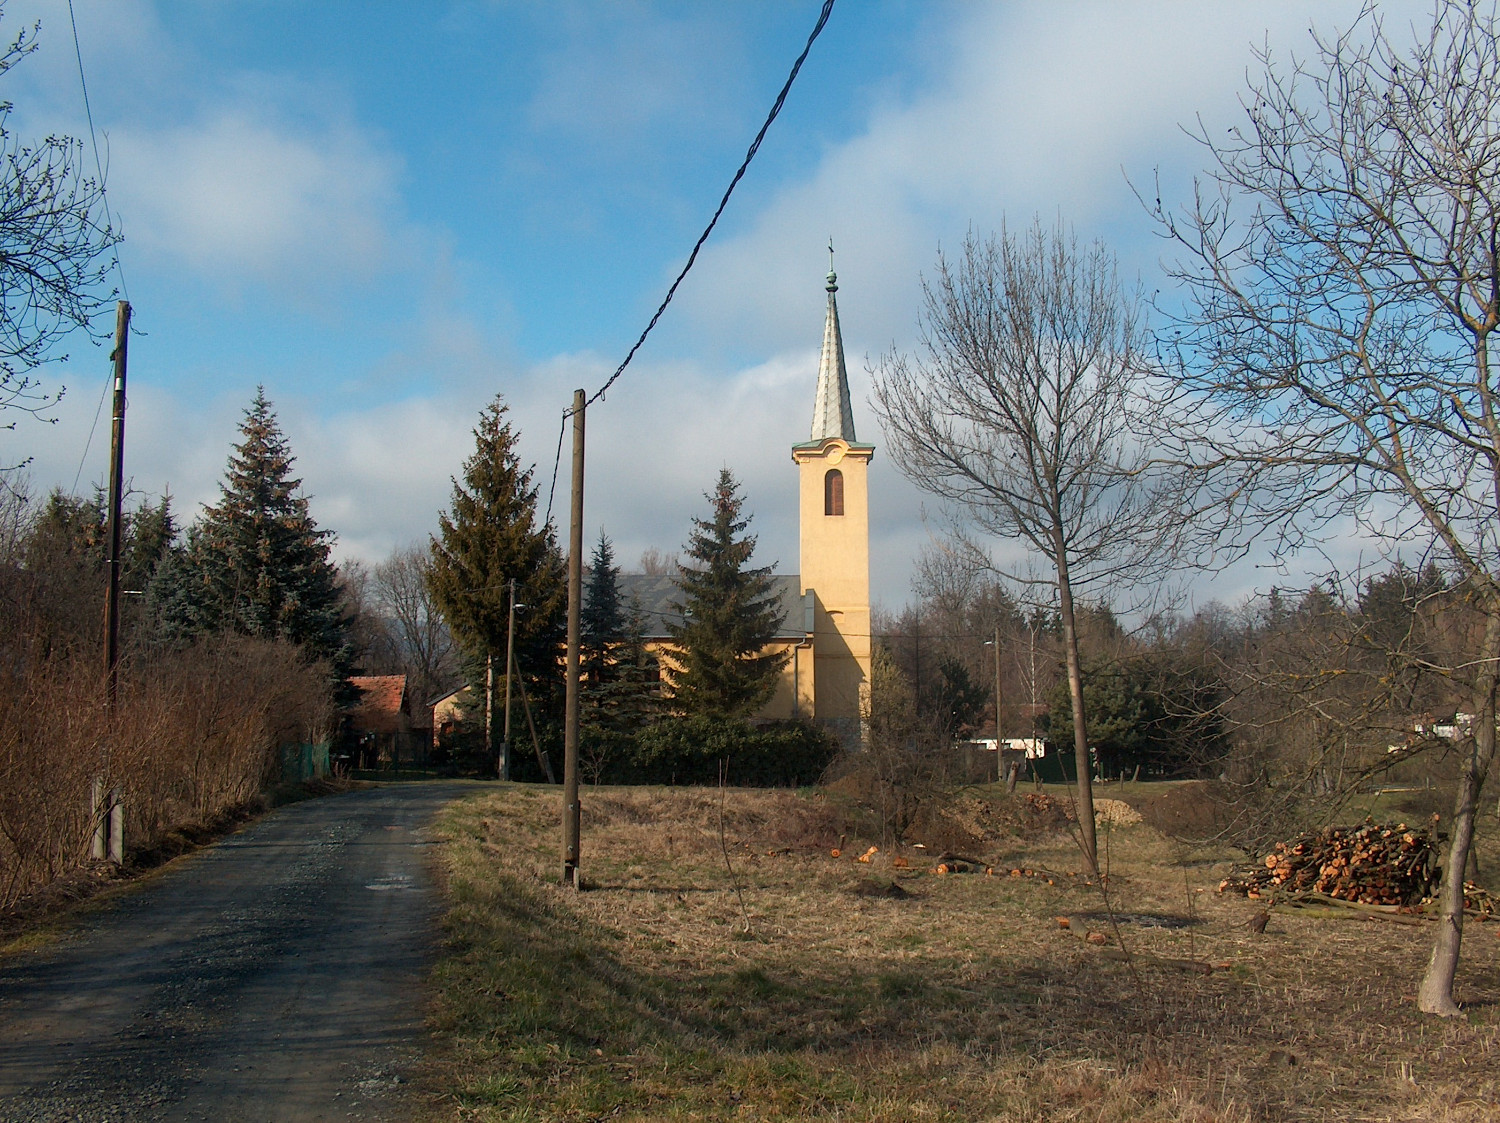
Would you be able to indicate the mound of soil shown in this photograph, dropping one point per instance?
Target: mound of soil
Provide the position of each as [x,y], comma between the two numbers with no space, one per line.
[967,822]
[1192,810]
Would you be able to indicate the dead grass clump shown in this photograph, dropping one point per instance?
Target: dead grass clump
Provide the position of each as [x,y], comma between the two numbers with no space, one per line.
[753,818]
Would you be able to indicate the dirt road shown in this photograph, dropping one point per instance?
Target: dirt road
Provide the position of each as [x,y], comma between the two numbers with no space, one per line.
[274,976]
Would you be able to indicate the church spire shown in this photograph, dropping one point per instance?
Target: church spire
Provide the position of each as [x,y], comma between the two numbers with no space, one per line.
[833,416]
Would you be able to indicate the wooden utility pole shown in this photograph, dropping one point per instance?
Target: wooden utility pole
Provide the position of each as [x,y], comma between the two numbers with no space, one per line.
[116,499]
[109,810]
[571,816]
[510,666]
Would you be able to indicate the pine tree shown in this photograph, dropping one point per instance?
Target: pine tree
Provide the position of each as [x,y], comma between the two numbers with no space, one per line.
[488,537]
[729,615]
[635,693]
[257,564]
[601,618]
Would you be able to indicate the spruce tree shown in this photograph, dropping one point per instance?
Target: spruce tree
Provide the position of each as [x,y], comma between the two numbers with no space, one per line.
[488,536]
[635,695]
[729,615]
[256,563]
[601,618]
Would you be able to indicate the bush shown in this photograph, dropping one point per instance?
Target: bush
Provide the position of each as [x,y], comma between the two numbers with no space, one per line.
[195,733]
[689,750]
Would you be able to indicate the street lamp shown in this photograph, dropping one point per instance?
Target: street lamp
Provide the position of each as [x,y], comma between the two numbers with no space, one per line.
[995,643]
[1012,771]
[510,659]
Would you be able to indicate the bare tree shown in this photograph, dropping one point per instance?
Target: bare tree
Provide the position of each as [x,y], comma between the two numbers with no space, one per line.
[655,563]
[402,592]
[1341,259]
[1021,415]
[55,244]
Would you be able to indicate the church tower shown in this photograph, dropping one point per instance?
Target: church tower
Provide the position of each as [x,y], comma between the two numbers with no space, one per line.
[835,540]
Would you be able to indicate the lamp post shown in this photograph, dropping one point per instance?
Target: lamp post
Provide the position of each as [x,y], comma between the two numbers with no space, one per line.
[1011,772]
[510,660]
[995,643]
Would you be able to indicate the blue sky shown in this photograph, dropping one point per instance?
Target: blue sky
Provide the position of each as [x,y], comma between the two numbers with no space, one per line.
[386,213]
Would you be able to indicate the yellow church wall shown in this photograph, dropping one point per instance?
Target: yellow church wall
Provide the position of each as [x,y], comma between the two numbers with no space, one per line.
[835,566]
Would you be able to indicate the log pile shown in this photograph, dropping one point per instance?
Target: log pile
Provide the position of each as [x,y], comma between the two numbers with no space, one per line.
[1371,864]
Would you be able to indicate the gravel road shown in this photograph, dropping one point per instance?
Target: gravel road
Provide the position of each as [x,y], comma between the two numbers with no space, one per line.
[276,976]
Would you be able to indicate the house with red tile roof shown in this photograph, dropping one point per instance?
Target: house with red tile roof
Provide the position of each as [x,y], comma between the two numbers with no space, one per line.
[381,725]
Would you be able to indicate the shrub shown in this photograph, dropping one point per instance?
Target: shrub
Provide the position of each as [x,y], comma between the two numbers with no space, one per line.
[195,733]
[689,750]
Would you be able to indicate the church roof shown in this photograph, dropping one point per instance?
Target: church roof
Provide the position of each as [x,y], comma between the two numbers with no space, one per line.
[661,602]
[833,415]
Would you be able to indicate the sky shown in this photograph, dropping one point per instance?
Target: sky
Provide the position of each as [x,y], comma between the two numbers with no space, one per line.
[387,213]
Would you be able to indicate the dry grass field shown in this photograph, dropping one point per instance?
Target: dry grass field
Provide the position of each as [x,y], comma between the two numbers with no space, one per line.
[801,985]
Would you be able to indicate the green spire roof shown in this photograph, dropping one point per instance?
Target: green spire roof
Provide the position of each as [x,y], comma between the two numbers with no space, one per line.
[833,416]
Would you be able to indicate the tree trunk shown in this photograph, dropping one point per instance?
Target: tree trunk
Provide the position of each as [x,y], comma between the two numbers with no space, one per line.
[1435,995]
[1080,723]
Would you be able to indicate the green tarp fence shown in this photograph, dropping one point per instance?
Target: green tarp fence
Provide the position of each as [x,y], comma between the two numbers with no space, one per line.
[304,762]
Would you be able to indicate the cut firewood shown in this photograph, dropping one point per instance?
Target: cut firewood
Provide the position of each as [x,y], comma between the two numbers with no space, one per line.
[1371,864]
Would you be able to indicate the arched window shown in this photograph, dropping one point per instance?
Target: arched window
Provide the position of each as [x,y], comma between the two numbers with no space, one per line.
[833,492]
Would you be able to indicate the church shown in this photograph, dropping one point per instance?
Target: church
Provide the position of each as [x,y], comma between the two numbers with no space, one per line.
[826,606]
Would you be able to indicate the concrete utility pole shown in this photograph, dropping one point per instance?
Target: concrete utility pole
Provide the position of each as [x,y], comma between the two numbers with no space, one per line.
[510,663]
[489,701]
[999,697]
[109,823]
[571,816]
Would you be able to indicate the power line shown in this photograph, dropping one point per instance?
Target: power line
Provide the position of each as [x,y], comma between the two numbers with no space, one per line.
[698,245]
[94,142]
[109,225]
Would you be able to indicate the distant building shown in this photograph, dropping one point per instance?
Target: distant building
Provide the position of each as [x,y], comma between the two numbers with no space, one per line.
[380,727]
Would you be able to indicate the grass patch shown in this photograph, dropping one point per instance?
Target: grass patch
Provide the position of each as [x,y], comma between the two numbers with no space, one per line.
[654,995]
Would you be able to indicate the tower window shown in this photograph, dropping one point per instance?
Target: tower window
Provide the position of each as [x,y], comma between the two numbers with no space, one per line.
[833,492]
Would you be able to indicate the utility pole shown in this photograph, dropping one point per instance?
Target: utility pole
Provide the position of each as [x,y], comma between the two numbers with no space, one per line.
[489,701]
[510,662]
[571,816]
[999,697]
[109,825]
[116,499]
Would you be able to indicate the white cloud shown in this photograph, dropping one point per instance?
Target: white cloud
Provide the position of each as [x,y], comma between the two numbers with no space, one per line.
[241,194]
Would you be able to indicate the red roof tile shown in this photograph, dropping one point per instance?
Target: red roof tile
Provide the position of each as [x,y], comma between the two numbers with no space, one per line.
[382,704]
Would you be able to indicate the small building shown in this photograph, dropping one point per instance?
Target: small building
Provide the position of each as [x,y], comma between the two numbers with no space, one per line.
[450,711]
[380,728]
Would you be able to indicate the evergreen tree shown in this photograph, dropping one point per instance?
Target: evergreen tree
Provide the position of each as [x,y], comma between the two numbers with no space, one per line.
[601,617]
[636,688]
[67,552]
[488,536]
[257,564]
[729,615]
